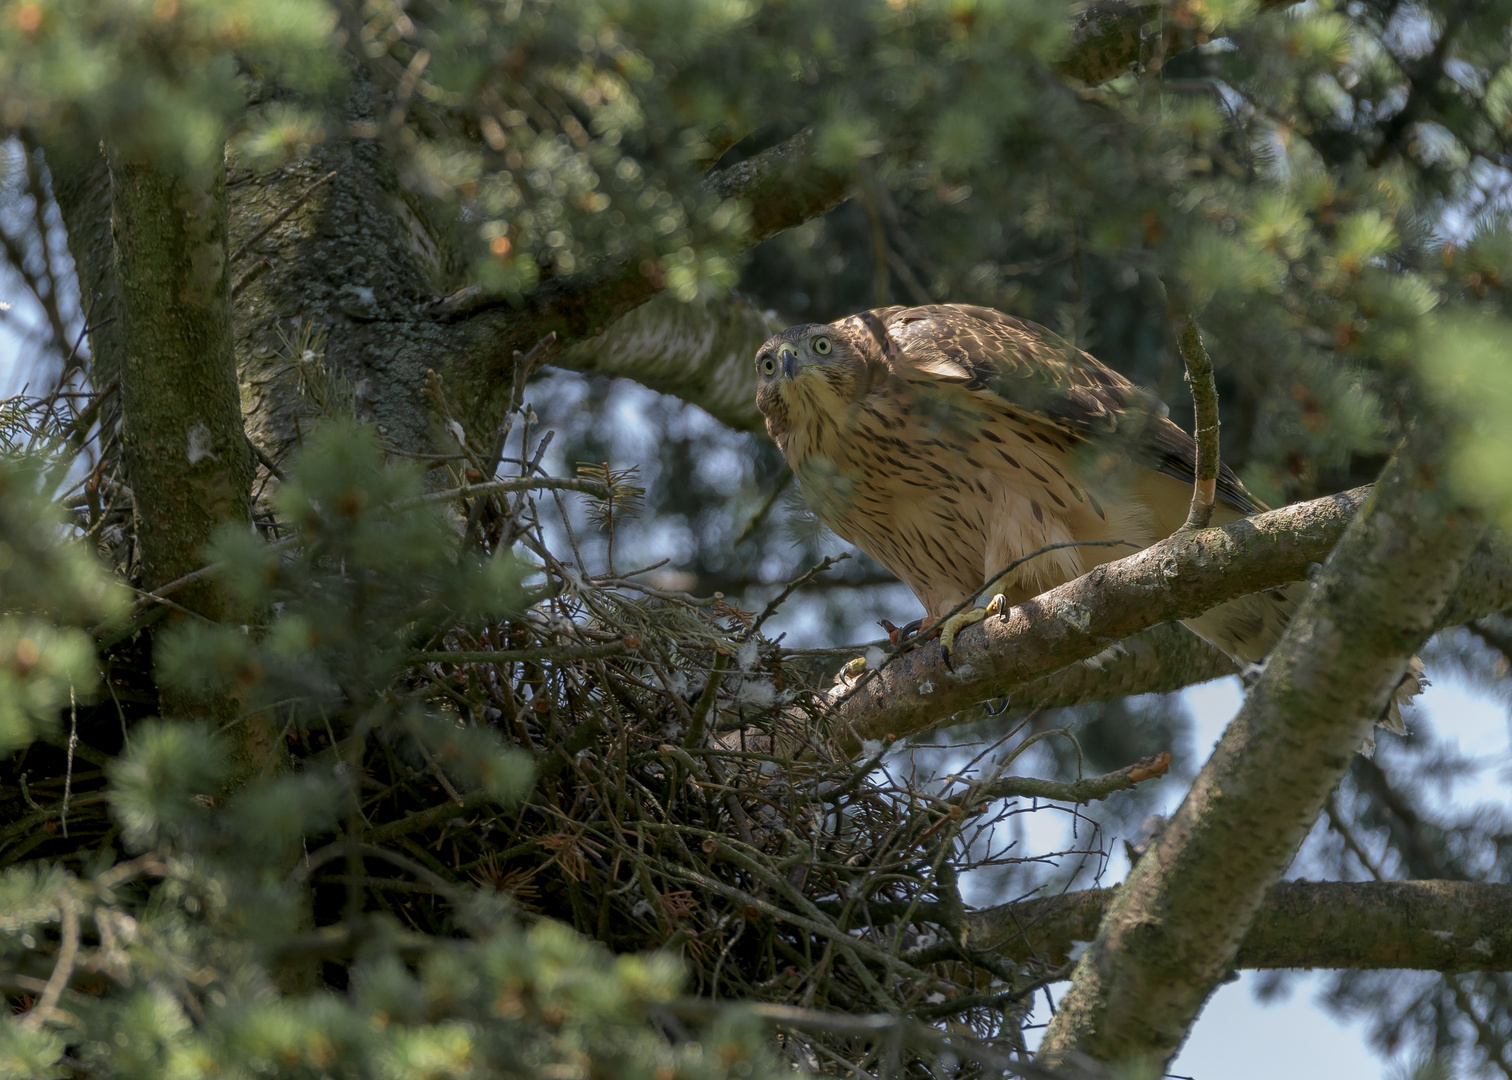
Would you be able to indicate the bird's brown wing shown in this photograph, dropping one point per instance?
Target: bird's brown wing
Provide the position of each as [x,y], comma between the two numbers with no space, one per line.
[1027,370]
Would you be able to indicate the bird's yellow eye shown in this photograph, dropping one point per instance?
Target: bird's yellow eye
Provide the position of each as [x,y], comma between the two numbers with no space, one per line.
[768,365]
[822,346]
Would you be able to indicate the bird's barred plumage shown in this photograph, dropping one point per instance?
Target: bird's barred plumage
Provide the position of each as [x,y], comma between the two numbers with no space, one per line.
[948,440]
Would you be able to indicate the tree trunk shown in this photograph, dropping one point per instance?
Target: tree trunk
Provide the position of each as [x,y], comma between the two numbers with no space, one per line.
[186,454]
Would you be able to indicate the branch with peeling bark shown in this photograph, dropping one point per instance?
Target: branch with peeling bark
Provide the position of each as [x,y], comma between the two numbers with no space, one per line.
[1178,578]
[1421,925]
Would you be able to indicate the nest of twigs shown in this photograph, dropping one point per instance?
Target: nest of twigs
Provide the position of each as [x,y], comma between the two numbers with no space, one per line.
[688,795]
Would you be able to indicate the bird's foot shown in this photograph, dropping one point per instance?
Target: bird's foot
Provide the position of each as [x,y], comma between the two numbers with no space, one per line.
[956,623]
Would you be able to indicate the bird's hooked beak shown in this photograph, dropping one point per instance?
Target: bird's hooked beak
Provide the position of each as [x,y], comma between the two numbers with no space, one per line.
[787,356]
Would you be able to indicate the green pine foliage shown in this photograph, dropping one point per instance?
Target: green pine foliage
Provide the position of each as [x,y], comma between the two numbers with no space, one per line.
[51,593]
[181,946]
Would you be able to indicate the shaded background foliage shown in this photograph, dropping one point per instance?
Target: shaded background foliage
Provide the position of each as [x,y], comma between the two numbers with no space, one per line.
[1324,184]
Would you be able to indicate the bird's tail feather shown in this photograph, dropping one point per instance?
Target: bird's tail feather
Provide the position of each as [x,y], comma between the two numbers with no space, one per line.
[1248,628]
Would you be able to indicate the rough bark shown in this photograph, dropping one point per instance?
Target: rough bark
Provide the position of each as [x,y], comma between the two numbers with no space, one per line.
[350,270]
[1174,929]
[1178,578]
[1445,926]
[362,262]
[1107,40]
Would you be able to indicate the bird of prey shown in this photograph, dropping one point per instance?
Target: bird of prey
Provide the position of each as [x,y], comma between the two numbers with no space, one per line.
[947,441]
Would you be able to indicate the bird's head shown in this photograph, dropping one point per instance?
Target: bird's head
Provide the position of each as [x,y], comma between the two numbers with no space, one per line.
[803,370]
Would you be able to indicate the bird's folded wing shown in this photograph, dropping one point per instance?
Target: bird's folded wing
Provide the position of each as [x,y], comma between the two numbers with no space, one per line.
[1025,371]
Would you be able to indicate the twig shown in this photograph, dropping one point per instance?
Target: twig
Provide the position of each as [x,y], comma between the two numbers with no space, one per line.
[266,462]
[792,586]
[524,364]
[706,699]
[160,594]
[556,653]
[1199,374]
[880,279]
[73,744]
[1087,790]
[537,483]
[255,271]
[904,645]
[910,279]
[759,518]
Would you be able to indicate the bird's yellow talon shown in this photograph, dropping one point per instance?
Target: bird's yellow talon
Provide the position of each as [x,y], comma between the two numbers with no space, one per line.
[853,668]
[998,605]
[953,626]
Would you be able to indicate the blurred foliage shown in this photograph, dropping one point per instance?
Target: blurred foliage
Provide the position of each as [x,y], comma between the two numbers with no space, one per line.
[179,944]
[51,591]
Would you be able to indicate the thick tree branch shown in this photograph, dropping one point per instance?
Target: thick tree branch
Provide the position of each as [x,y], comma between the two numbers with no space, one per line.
[1160,660]
[702,352]
[185,447]
[595,313]
[1177,578]
[783,186]
[1175,927]
[1422,925]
